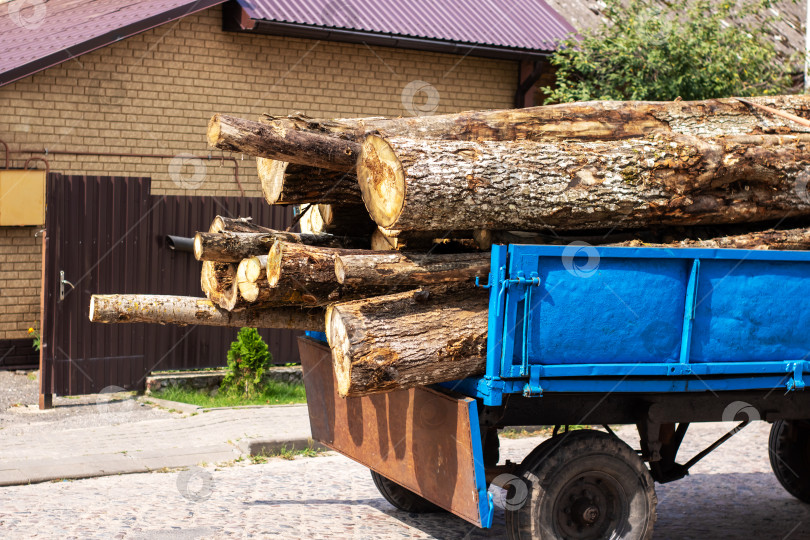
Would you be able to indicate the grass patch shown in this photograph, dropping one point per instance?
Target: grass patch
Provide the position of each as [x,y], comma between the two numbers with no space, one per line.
[274,393]
[289,454]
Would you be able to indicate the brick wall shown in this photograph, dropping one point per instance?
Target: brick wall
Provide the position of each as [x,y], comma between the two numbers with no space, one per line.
[20,273]
[155,92]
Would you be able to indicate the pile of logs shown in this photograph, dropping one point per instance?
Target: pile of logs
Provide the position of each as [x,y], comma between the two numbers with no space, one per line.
[397,216]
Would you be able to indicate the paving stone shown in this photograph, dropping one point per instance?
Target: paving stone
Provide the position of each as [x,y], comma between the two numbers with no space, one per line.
[732,494]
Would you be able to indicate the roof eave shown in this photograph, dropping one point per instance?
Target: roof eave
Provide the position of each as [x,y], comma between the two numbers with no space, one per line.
[98,42]
[237,21]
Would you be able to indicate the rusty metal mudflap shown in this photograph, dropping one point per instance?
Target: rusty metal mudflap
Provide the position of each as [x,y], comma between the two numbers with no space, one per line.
[424,440]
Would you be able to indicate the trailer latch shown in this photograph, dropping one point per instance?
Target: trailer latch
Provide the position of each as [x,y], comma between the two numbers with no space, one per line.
[797,381]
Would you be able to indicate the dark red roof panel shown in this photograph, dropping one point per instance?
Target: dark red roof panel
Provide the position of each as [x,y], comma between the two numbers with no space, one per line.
[519,24]
[37,35]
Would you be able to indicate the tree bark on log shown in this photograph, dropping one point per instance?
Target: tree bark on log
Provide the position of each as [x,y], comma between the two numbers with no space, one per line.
[305,275]
[186,310]
[282,142]
[234,247]
[404,340]
[419,185]
[231,247]
[412,269]
[289,183]
[236,225]
[771,239]
[582,121]
[588,120]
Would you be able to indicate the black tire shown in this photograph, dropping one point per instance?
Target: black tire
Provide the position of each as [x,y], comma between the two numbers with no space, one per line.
[584,485]
[789,452]
[402,498]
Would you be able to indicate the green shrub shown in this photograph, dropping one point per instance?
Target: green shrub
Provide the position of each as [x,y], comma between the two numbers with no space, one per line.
[653,50]
[248,358]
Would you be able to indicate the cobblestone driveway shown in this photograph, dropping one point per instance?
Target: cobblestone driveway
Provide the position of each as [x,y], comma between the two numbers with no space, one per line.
[731,495]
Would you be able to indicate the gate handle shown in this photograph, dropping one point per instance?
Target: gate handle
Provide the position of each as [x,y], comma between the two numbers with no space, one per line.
[62,283]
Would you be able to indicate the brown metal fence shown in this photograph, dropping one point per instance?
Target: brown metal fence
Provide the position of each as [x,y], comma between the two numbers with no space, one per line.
[107,235]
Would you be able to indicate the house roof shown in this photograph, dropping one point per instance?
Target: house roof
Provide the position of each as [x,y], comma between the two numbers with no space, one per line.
[478,28]
[37,35]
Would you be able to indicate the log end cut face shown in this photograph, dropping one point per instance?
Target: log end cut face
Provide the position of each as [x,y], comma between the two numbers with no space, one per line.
[382,181]
[214,130]
[93,299]
[271,174]
[339,342]
[273,265]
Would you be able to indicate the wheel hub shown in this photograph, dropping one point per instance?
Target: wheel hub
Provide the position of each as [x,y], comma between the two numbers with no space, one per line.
[588,507]
[590,515]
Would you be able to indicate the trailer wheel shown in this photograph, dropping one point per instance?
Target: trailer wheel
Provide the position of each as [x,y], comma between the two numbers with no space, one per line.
[789,452]
[403,498]
[585,485]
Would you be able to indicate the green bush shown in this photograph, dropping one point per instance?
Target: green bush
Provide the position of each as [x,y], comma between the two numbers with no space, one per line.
[653,50]
[248,358]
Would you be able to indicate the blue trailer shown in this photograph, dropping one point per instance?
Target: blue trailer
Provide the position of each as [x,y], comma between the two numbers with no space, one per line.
[654,337]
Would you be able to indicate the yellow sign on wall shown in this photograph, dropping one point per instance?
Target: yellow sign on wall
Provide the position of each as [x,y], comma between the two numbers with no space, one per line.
[22,197]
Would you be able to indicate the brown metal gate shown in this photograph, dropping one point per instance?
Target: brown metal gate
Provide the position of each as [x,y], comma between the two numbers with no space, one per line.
[107,235]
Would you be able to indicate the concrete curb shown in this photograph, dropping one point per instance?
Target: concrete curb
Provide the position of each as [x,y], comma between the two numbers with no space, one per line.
[94,466]
[156,444]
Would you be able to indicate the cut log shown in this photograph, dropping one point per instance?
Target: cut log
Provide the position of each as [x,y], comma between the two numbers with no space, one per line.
[283,142]
[236,225]
[771,239]
[185,310]
[249,276]
[288,183]
[305,266]
[218,282]
[255,268]
[404,340]
[413,269]
[234,247]
[588,120]
[300,184]
[231,247]
[305,275]
[414,185]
